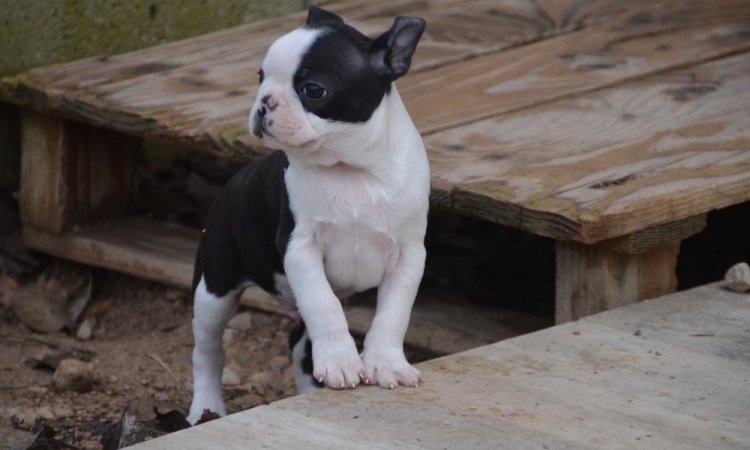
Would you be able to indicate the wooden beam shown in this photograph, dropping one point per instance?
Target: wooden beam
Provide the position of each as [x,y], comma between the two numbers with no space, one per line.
[72,173]
[45,178]
[165,252]
[645,240]
[596,278]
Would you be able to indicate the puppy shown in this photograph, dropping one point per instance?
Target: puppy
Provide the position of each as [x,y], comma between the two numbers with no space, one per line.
[341,207]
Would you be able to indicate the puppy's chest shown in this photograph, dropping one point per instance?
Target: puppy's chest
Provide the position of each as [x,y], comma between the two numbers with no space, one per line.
[355,222]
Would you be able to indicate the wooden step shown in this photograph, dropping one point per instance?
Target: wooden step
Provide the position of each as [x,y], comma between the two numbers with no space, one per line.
[165,252]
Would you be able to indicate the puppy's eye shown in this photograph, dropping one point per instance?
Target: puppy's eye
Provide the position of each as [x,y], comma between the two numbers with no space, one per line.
[260,76]
[312,90]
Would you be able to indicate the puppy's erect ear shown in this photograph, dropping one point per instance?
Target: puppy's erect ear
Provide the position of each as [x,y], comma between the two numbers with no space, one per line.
[316,15]
[392,51]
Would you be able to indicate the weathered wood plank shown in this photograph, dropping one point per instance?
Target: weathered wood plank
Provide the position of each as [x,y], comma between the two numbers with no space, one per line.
[165,252]
[158,251]
[609,163]
[630,46]
[72,173]
[644,240]
[45,189]
[590,384]
[105,163]
[446,326]
[593,278]
[199,90]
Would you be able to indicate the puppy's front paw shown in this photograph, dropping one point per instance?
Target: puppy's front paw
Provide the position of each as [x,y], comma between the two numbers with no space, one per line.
[337,363]
[388,368]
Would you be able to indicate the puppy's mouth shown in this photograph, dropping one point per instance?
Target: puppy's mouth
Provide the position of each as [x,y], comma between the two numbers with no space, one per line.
[260,126]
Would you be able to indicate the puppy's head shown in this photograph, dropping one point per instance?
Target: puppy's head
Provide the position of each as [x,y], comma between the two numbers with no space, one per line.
[318,80]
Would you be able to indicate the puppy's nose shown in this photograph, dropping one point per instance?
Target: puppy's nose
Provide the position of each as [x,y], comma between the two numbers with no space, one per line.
[270,102]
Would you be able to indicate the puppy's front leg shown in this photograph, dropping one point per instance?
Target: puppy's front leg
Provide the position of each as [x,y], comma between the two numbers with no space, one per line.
[335,358]
[383,356]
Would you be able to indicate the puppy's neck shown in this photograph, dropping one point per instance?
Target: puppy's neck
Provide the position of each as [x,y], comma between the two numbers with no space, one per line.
[379,146]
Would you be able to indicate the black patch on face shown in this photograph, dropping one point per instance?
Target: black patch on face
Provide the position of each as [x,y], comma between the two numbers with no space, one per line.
[247,229]
[339,62]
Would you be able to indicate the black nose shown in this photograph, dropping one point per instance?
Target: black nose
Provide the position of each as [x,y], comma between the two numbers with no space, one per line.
[258,122]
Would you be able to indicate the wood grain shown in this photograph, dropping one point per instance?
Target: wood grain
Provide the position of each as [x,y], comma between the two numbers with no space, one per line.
[590,279]
[165,252]
[199,90]
[626,47]
[45,179]
[609,163]
[589,384]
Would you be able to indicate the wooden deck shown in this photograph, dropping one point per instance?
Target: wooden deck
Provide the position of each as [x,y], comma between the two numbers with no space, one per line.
[612,127]
[668,373]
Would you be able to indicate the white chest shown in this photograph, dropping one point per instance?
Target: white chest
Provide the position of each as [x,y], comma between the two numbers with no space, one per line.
[356,221]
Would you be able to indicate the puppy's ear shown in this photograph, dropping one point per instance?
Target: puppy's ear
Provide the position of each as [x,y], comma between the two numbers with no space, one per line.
[392,51]
[317,15]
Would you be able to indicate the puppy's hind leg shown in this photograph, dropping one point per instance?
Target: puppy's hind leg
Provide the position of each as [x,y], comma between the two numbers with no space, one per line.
[302,361]
[210,316]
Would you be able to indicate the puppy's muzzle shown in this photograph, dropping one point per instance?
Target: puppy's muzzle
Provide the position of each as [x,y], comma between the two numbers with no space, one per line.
[262,122]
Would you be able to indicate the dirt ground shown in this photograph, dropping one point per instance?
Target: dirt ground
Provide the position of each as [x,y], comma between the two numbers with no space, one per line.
[140,350]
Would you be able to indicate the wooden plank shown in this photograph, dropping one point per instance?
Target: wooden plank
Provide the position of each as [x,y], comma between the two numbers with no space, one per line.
[45,189]
[593,278]
[644,240]
[199,90]
[447,326]
[609,163]
[159,251]
[104,162]
[165,252]
[138,246]
[72,173]
[589,384]
[623,48]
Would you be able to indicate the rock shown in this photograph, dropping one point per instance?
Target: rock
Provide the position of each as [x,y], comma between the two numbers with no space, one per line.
[738,277]
[229,336]
[279,363]
[74,375]
[41,308]
[50,359]
[230,377]
[262,383]
[140,421]
[26,418]
[63,411]
[161,397]
[86,328]
[242,321]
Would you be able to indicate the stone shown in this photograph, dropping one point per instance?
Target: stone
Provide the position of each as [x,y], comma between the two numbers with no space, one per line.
[229,336]
[230,377]
[241,322]
[26,418]
[738,277]
[74,375]
[86,328]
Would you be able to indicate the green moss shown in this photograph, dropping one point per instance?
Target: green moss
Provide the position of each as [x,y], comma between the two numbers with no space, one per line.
[40,32]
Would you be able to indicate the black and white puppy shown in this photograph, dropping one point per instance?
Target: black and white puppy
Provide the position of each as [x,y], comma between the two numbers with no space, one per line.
[343,208]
